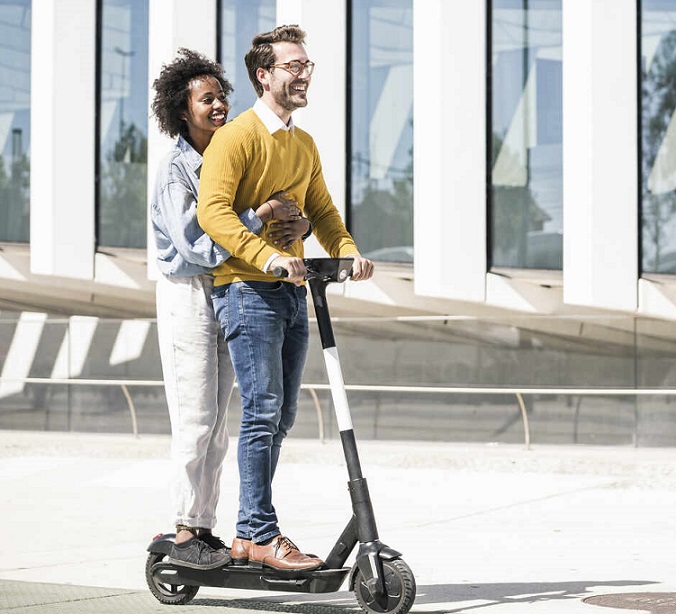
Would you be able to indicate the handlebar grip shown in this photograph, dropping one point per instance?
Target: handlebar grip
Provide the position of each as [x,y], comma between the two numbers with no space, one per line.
[278,271]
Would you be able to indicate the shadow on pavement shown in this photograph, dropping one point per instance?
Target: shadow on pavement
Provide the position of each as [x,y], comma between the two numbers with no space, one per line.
[443,596]
[29,597]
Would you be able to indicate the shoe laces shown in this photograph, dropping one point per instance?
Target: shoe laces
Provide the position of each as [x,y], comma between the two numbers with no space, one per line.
[285,542]
[212,541]
[202,545]
[204,549]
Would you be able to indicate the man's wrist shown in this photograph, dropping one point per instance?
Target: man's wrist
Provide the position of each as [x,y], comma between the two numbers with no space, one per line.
[268,265]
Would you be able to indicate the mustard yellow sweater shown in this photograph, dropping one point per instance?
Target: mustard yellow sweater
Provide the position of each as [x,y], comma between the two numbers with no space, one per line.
[245,164]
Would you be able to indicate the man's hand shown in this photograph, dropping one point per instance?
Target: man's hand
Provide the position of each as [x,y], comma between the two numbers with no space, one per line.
[285,234]
[295,267]
[362,268]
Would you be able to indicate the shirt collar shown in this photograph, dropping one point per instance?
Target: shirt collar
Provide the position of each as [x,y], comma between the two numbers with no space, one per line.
[193,159]
[270,119]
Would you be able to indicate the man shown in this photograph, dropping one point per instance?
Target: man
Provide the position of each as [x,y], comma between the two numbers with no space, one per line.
[265,320]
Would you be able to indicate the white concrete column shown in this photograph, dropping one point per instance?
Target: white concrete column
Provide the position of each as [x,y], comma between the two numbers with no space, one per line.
[63,60]
[173,24]
[600,159]
[325,24]
[449,79]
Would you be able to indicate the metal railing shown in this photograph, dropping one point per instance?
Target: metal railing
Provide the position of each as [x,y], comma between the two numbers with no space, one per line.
[312,389]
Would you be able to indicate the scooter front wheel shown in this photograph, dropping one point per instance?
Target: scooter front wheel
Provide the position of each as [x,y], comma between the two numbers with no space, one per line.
[170,594]
[399,585]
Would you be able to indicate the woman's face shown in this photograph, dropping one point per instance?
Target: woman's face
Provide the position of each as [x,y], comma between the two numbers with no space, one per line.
[207,107]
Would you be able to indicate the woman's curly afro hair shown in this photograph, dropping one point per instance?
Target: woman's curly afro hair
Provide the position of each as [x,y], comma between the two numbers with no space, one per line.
[172,88]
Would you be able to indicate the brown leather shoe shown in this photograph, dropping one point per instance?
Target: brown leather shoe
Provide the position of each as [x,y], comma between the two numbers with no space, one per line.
[241,548]
[281,553]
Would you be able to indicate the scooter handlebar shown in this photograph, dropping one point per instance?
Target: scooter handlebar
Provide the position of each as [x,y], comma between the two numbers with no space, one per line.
[328,269]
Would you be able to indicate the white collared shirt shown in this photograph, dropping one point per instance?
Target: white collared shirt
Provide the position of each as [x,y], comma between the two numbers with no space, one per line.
[270,119]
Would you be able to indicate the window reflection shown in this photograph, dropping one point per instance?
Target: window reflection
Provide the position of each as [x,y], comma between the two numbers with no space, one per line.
[382,128]
[123,124]
[658,64]
[527,170]
[15,76]
[240,21]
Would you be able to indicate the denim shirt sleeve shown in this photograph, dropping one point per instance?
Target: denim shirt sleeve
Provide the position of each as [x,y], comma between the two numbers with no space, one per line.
[177,208]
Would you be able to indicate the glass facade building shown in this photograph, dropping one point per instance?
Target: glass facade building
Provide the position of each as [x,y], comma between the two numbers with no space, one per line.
[658,135]
[381,128]
[15,96]
[123,124]
[239,20]
[492,257]
[526,137]
[525,194]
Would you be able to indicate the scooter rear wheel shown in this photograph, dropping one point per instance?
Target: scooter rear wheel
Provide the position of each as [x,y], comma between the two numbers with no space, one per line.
[399,590]
[170,594]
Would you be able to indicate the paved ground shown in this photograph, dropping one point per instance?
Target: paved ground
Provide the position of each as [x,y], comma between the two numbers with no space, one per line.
[487,529]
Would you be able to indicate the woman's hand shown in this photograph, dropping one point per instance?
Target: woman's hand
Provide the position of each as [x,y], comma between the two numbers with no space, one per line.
[286,233]
[284,207]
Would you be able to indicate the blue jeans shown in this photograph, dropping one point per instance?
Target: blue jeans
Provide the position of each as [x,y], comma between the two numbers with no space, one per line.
[266,327]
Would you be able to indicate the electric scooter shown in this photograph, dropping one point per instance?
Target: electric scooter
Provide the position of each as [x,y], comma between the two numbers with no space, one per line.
[381,580]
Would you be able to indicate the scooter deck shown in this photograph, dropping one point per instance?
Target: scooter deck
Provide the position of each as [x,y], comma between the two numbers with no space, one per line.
[235,576]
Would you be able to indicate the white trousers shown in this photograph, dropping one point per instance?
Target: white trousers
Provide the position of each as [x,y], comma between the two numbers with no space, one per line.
[198,381]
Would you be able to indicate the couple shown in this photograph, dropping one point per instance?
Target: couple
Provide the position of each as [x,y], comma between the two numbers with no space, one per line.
[261,192]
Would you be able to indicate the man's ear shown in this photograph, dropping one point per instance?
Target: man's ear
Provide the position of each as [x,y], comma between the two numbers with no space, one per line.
[263,77]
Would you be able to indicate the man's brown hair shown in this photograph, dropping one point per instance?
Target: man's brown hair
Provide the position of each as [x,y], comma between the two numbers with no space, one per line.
[262,55]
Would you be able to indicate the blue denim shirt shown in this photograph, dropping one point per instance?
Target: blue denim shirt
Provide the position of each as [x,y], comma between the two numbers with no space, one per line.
[183,249]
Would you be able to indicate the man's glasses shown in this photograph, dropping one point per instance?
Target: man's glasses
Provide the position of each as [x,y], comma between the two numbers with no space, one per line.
[296,68]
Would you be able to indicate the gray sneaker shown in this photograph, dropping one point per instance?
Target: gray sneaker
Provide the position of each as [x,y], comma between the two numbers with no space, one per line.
[215,542]
[197,554]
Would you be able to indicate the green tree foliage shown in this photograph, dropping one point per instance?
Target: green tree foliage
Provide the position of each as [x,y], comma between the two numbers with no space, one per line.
[14,199]
[515,213]
[122,191]
[384,219]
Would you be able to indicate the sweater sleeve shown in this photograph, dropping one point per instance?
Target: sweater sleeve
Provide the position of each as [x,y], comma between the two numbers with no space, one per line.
[224,163]
[323,215]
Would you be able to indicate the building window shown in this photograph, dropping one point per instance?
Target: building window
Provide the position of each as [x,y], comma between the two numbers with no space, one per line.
[240,20]
[658,135]
[123,123]
[381,128]
[526,152]
[15,79]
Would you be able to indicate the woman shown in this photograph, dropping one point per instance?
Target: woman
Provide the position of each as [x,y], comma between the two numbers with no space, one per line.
[191,103]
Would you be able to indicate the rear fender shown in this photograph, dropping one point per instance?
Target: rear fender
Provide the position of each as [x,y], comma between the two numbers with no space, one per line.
[162,543]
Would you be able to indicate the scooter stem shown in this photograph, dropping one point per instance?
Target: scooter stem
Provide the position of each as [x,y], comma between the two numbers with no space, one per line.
[362,526]
[361,502]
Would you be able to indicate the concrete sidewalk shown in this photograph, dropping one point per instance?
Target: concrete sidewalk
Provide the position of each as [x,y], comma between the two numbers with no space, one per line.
[485,528]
